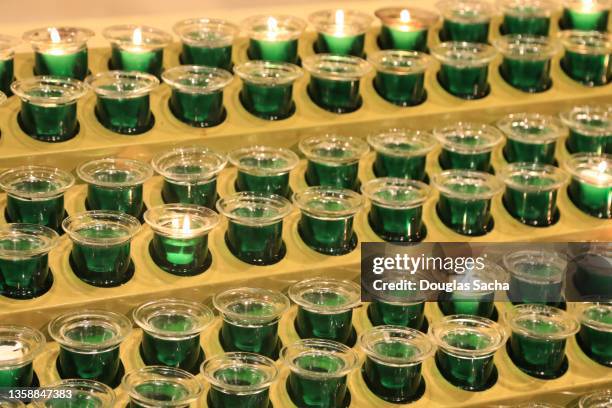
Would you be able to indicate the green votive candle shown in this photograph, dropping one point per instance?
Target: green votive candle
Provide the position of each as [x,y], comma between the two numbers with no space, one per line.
[190,175]
[527,17]
[334,81]
[325,308]
[7,63]
[539,335]
[255,226]
[197,94]
[596,399]
[531,192]
[115,184]
[206,42]
[587,56]
[158,386]
[60,51]
[396,211]
[35,195]
[595,335]
[180,237]
[405,308]
[240,380]
[333,160]
[250,320]
[123,102]
[326,223]
[404,29]
[590,188]
[590,128]
[24,260]
[585,15]
[89,343]
[464,204]
[171,332]
[400,76]
[273,37]
[19,346]
[536,276]
[318,373]
[466,346]
[465,20]
[263,169]
[49,107]
[593,278]
[267,88]
[76,393]
[340,31]
[464,68]
[530,137]
[393,362]
[100,253]
[401,153]
[467,145]
[137,48]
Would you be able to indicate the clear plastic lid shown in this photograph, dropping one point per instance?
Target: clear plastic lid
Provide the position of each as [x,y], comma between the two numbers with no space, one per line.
[35,182]
[542,322]
[173,319]
[268,73]
[396,346]
[182,221]
[400,62]
[597,399]
[591,168]
[141,37]
[189,164]
[254,208]
[101,228]
[468,137]
[328,202]
[536,266]
[22,241]
[48,91]
[77,391]
[273,27]
[251,306]
[319,359]
[19,345]
[336,67]
[333,149]
[122,84]
[533,177]
[206,32]
[326,295]
[468,336]
[596,315]
[239,373]
[467,185]
[531,128]
[463,54]
[587,42]
[527,47]
[7,46]
[589,120]
[396,193]
[197,79]
[466,11]
[407,18]
[340,22]
[264,160]
[64,39]
[115,172]
[157,386]
[402,142]
[527,8]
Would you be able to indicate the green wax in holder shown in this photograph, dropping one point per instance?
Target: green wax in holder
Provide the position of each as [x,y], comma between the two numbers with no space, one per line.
[273,50]
[145,60]
[202,193]
[452,160]
[180,256]
[20,345]
[391,38]
[200,110]
[335,327]
[397,166]
[261,340]
[465,32]
[278,184]
[127,116]
[595,335]
[332,175]
[467,146]
[587,57]
[49,212]
[68,65]
[161,386]
[526,25]
[340,44]
[465,303]
[584,20]
[258,245]
[241,376]
[517,151]
[268,102]
[336,96]
[124,199]
[6,75]
[527,75]
[340,31]
[13,377]
[409,315]
[102,367]
[182,353]
[535,276]
[590,188]
[206,42]
[49,123]
[218,57]
[590,129]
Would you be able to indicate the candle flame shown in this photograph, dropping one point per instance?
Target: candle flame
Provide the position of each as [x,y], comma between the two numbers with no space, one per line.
[405,16]
[339,22]
[272,24]
[588,5]
[602,167]
[55,35]
[186,224]
[137,36]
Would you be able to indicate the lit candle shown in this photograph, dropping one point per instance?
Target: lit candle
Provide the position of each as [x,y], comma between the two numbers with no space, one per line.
[404,29]
[585,15]
[20,346]
[7,66]
[340,31]
[273,38]
[591,185]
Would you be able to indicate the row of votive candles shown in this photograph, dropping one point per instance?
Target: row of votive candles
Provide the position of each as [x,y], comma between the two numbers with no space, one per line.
[463,344]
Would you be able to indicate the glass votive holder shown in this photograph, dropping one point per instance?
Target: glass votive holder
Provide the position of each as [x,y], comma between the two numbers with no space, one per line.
[404,29]
[334,81]
[250,320]
[24,260]
[137,48]
[536,276]
[273,37]
[159,386]
[393,362]
[180,237]
[592,277]
[326,223]
[340,31]
[49,107]
[401,153]
[595,335]
[239,380]
[464,68]
[206,42]
[197,94]
[123,102]
[466,346]
[190,175]
[115,184]
[318,372]
[400,76]
[7,63]
[526,61]
[539,336]
[76,393]
[325,308]
[255,226]
[590,188]
[333,160]
[587,56]
[590,128]
[528,17]
[60,51]
[589,15]
[171,332]
[89,343]
[19,345]
[464,204]
[530,137]
[531,192]
[35,195]
[267,88]
[263,169]
[396,211]
[397,313]
[465,20]
[467,145]
[597,399]
[100,253]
